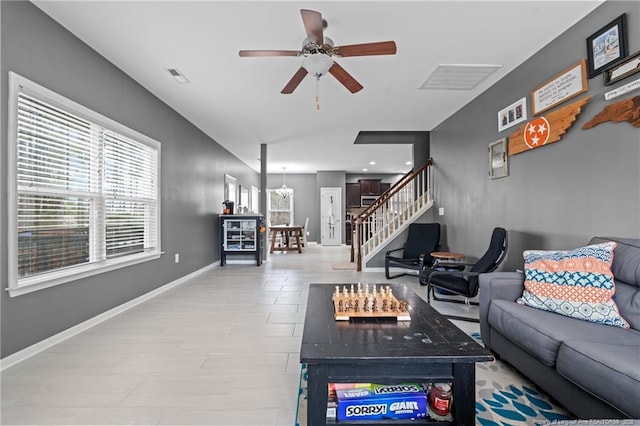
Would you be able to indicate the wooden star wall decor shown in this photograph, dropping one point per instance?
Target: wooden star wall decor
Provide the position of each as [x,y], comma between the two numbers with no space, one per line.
[624,110]
[545,129]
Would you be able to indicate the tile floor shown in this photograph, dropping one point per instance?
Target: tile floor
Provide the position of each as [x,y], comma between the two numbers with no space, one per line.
[220,349]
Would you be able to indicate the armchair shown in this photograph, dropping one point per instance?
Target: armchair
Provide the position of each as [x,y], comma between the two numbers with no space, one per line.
[422,239]
[452,280]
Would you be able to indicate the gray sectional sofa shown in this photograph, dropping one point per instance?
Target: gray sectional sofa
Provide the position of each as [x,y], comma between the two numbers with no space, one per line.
[593,370]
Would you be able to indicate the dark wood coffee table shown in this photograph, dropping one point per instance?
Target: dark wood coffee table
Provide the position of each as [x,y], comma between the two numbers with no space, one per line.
[429,348]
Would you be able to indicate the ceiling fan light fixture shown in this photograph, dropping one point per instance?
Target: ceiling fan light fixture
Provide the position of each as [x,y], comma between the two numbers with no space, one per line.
[317,64]
[318,52]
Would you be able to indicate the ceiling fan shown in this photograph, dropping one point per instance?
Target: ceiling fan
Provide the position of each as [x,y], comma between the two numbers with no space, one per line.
[318,52]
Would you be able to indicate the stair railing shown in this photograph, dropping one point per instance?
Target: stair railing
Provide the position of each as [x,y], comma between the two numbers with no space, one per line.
[390,211]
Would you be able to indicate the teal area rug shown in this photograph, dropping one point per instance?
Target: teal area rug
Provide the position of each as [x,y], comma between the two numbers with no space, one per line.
[503,397]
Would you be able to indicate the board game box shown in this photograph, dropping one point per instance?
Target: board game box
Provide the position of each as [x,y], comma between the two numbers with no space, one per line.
[378,402]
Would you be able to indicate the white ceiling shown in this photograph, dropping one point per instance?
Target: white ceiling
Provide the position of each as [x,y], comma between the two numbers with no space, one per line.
[237,101]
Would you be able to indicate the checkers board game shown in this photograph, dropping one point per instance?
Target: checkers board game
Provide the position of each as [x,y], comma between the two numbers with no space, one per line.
[352,301]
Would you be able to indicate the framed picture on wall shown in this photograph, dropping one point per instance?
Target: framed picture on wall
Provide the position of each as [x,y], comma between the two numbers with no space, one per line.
[498,166]
[622,69]
[512,115]
[607,45]
[570,83]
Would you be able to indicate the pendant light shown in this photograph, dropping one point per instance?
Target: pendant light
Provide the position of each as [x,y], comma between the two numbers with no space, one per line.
[284,191]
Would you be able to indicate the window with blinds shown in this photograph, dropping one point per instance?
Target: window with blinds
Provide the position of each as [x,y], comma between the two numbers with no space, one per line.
[85,197]
[279,208]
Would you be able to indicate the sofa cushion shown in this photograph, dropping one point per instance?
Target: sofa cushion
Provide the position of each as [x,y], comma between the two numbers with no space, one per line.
[611,373]
[626,270]
[541,333]
[576,283]
[626,262]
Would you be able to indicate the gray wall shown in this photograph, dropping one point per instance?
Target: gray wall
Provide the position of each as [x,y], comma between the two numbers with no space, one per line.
[193,167]
[557,196]
[421,150]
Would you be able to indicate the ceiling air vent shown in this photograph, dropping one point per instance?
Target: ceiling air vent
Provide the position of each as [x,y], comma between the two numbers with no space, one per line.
[458,76]
[180,78]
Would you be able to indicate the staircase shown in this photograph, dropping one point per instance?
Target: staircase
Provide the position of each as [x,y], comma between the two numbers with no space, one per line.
[391,213]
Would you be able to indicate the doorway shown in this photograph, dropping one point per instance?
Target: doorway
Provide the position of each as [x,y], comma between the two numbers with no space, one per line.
[331,216]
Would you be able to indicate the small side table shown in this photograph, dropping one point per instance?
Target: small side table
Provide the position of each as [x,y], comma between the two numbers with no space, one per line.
[448,260]
[447,255]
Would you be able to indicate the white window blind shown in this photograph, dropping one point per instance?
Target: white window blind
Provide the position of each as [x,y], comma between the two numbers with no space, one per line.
[279,208]
[130,195]
[54,188]
[85,196]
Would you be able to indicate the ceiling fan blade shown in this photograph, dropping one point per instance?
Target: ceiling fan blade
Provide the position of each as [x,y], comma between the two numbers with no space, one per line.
[367,49]
[295,81]
[254,53]
[345,78]
[312,21]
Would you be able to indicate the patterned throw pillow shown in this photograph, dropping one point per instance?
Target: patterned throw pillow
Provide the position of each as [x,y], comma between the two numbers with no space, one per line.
[576,283]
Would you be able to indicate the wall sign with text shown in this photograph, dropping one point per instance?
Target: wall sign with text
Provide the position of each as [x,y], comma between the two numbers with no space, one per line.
[562,87]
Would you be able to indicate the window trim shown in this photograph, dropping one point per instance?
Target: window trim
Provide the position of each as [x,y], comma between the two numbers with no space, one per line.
[254,200]
[49,279]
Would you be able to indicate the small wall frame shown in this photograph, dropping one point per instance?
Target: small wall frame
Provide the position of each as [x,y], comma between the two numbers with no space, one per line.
[622,69]
[512,115]
[498,159]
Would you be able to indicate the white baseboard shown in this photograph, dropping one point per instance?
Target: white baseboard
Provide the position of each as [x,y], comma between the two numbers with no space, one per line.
[241,262]
[42,345]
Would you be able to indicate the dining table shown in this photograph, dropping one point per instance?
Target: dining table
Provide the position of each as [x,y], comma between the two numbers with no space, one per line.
[290,238]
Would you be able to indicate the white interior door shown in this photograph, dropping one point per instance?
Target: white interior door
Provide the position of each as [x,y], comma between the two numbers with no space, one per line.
[331,216]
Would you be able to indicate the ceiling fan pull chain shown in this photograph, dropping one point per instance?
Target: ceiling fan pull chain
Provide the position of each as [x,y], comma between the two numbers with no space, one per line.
[318,93]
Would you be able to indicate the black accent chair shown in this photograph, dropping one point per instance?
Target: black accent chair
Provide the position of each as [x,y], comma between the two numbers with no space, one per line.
[422,239]
[449,279]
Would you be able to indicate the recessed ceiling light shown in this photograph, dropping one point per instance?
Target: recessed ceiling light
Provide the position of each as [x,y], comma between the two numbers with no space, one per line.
[372,163]
[458,76]
[364,170]
[408,163]
[180,78]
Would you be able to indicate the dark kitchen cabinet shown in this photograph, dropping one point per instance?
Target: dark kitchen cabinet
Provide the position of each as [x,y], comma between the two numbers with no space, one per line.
[370,186]
[353,194]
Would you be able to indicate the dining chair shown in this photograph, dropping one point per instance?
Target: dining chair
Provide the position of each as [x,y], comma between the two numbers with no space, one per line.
[304,232]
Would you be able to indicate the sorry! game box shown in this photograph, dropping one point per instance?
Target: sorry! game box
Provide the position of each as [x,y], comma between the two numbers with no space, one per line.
[378,402]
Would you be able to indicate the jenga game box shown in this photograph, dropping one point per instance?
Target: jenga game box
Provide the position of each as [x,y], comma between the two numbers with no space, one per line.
[380,402]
